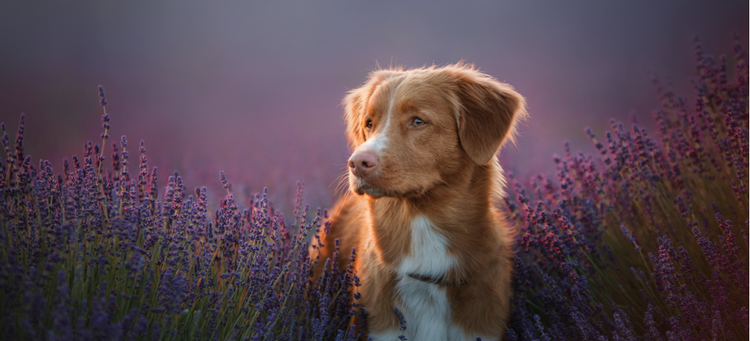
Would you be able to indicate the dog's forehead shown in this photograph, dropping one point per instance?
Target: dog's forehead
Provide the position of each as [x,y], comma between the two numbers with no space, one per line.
[409,92]
[384,94]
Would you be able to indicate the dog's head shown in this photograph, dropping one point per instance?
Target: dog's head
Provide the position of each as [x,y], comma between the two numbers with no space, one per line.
[409,130]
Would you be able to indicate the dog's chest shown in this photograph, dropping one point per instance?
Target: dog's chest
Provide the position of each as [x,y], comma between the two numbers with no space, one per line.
[425,306]
[428,253]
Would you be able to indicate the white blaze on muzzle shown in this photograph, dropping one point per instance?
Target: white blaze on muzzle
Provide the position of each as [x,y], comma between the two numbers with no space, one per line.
[378,143]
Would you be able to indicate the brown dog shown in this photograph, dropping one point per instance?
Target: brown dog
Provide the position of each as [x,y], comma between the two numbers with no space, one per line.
[429,237]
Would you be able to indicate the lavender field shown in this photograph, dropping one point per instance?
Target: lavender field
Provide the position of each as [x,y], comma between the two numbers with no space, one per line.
[646,240]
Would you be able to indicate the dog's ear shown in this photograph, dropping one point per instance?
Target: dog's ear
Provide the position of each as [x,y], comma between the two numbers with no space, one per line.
[355,107]
[354,112]
[488,113]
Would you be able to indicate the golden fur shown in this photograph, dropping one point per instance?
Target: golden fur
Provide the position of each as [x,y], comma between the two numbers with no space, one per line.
[445,170]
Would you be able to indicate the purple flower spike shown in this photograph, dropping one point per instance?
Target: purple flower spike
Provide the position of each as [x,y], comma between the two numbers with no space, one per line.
[102,98]
[630,237]
[402,322]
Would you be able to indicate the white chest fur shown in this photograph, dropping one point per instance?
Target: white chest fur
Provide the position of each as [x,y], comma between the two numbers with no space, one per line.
[424,305]
[428,255]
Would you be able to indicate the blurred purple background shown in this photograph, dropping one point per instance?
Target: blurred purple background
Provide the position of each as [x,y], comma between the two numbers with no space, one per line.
[254,88]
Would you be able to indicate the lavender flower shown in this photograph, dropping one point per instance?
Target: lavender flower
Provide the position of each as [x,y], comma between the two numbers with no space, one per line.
[402,323]
[98,255]
[657,191]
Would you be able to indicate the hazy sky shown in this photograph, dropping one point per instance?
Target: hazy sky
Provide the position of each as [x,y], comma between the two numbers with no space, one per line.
[255,88]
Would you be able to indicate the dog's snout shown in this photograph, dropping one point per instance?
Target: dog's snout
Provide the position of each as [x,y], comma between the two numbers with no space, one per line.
[362,163]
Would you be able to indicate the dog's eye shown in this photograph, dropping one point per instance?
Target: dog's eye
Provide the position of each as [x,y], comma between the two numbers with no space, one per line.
[418,122]
[368,124]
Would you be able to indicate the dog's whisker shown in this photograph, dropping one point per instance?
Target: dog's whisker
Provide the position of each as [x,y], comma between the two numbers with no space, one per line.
[343,182]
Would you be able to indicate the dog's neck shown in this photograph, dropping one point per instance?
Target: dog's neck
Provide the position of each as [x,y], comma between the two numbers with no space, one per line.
[459,209]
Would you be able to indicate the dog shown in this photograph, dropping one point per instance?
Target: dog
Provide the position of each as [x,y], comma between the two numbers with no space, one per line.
[423,209]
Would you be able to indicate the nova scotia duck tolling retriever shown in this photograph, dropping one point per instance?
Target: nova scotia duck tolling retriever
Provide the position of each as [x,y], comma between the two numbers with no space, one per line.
[423,211]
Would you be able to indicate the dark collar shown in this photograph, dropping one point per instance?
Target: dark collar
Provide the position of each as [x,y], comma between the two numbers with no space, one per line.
[437,280]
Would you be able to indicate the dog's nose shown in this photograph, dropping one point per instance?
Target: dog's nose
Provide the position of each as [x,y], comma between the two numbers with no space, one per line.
[362,163]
